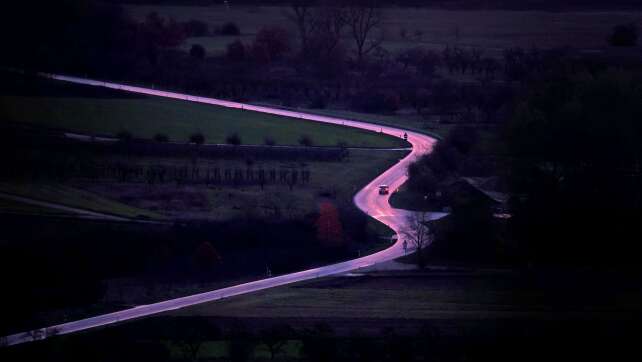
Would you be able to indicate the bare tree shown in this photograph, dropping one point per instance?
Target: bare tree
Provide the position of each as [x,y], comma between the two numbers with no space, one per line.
[320,25]
[328,26]
[300,13]
[418,232]
[275,338]
[193,334]
[364,19]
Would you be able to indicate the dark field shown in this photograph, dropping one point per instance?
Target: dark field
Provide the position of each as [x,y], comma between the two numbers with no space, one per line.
[438,296]
[441,313]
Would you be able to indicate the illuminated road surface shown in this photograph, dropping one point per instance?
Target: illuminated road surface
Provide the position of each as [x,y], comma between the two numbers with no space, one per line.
[367,199]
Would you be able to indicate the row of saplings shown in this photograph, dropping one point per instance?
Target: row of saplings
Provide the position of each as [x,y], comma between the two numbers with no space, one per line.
[158,174]
[161,174]
[232,139]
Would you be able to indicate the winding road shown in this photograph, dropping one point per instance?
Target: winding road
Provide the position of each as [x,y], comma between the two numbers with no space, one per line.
[367,199]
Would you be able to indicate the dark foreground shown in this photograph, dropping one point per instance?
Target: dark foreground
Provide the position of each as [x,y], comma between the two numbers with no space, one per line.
[439,314]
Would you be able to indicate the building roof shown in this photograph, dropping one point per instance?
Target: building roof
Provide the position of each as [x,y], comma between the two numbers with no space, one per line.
[486,185]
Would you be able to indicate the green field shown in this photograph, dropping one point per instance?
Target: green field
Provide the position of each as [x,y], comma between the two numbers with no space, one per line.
[492,30]
[145,117]
[406,120]
[68,196]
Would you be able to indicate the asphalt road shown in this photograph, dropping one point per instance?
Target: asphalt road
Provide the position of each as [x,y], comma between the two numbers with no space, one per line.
[367,199]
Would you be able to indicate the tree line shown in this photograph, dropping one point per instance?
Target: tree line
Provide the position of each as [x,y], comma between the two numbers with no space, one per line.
[335,56]
[568,156]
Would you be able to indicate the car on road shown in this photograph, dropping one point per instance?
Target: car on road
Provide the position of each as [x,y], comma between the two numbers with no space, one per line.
[384,190]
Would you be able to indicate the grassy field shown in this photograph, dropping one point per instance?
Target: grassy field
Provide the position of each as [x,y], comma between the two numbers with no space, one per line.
[69,196]
[403,118]
[492,30]
[112,112]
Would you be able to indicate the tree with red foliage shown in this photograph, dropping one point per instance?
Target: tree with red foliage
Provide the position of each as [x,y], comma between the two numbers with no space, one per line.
[329,230]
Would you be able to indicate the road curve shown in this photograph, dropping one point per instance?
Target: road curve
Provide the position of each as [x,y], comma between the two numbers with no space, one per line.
[367,199]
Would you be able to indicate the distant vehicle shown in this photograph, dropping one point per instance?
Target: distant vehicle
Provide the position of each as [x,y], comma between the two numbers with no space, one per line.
[384,190]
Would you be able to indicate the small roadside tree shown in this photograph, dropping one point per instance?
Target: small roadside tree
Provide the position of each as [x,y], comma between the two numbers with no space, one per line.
[197,138]
[418,233]
[269,141]
[193,334]
[233,139]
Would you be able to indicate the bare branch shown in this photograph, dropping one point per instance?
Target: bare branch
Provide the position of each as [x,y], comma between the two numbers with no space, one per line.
[418,232]
[365,19]
[300,14]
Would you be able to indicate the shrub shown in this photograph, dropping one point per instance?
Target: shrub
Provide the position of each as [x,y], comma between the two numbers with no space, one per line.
[229,28]
[233,139]
[369,101]
[306,140]
[236,51]
[197,138]
[195,27]
[318,102]
[391,102]
[197,51]
[161,137]
[124,136]
[624,35]
[269,141]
